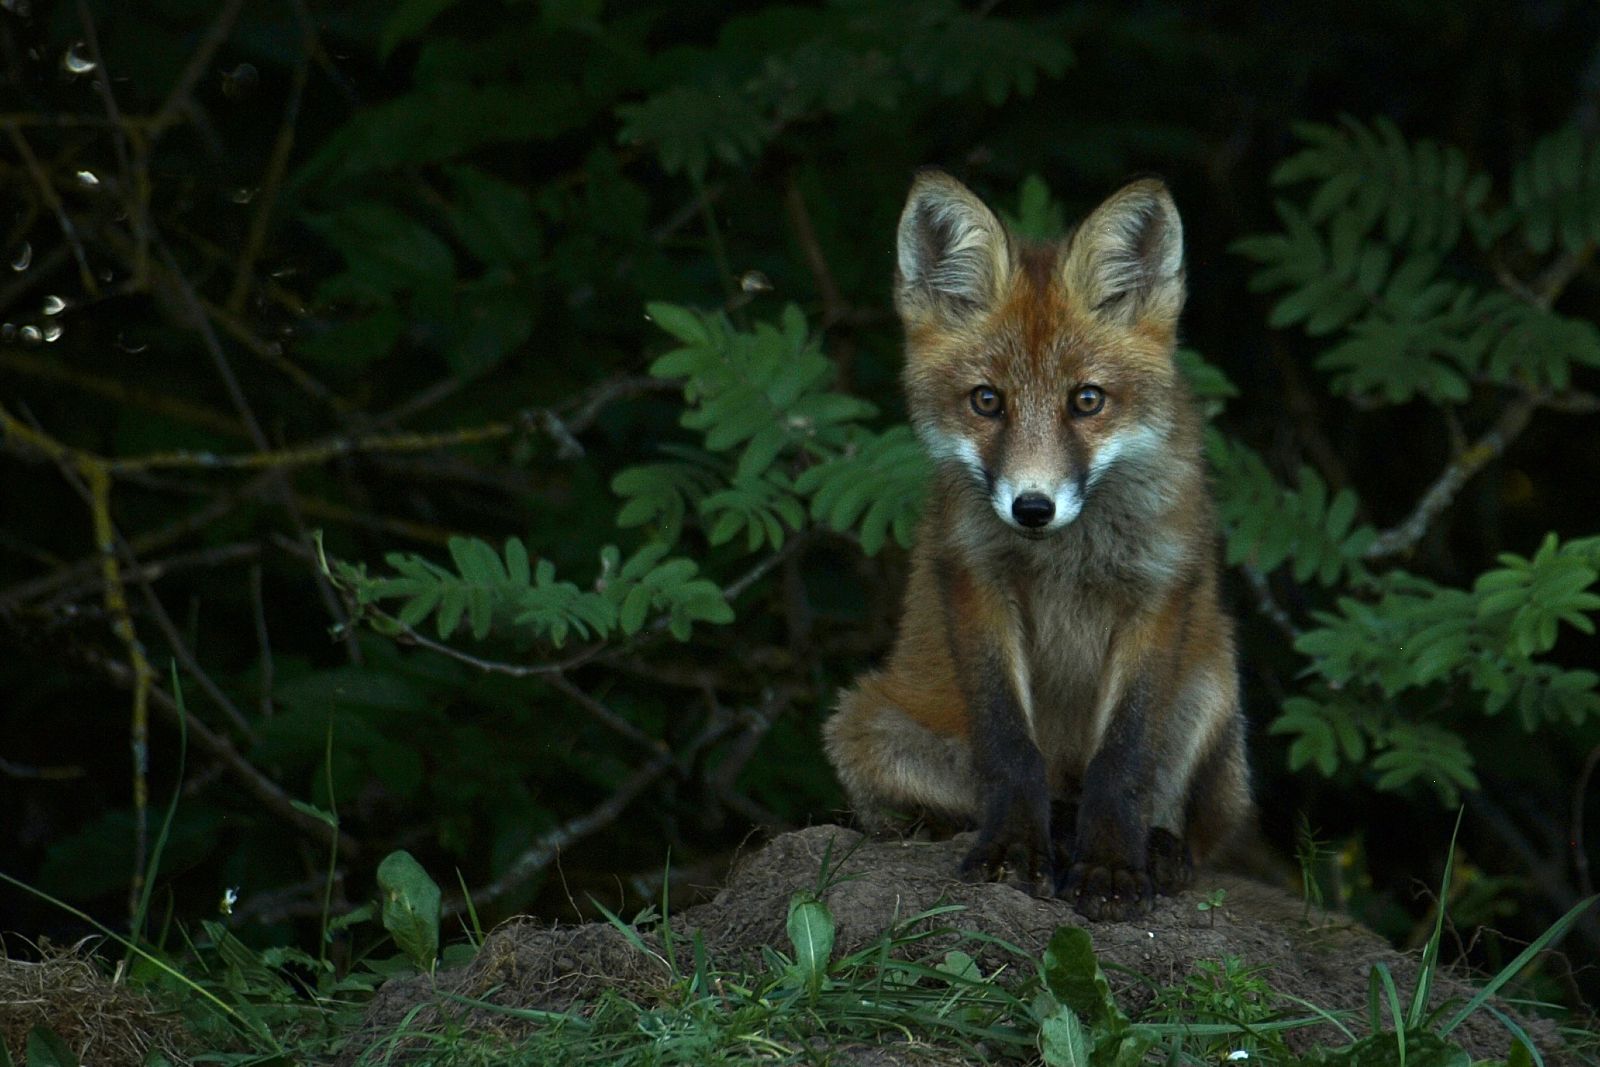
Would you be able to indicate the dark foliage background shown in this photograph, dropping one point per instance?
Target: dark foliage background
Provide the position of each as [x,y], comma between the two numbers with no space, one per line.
[400,255]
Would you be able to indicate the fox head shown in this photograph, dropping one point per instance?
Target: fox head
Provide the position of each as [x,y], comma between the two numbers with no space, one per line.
[1042,372]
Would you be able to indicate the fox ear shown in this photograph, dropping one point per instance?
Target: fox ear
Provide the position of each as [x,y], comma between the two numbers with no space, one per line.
[1125,261]
[954,255]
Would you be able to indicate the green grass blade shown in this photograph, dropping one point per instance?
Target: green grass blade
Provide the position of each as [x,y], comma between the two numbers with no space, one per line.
[1332,1018]
[475,931]
[1430,951]
[1556,931]
[333,847]
[1517,1033]
[1393,996]
[142,912]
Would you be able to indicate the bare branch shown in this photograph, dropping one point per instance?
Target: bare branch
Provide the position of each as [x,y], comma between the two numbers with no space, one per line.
[178,100]
[53,201]
[271,796]
[277,166]
[542,853]
[1403,537]
[1268,604]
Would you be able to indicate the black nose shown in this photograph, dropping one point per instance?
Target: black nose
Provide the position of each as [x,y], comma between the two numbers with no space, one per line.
[1033,509]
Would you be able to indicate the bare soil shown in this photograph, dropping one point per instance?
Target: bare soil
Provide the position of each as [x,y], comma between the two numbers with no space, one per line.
[879,883]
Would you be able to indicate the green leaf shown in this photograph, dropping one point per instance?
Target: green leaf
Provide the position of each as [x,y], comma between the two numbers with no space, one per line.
[1062,1039]
[408,20]
[494,218]
[1073,974]
[410,907]
[680,322]
[385,250]
[47,1049]
[811,932]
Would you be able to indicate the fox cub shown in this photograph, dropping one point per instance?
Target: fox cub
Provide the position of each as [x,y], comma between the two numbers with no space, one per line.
[1064,675]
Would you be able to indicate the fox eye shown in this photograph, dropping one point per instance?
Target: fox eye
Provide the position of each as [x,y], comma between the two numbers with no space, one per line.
[1088,400]
[986,401]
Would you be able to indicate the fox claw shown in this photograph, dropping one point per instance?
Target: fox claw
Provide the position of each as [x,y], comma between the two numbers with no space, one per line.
[1104,892]
[990,862]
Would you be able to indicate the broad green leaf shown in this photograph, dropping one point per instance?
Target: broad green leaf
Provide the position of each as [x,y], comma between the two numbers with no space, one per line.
[410,907]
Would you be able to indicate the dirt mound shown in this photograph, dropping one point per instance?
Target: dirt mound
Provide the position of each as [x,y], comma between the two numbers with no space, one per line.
[881,883]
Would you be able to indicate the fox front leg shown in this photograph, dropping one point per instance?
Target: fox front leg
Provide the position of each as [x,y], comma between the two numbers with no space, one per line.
[1107,877]
[1015,798]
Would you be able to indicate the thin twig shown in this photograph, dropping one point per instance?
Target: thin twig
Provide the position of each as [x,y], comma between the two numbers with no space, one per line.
[205,52]
[736,588]
[88,475]
[263,789]
[539,855]
[1268,604]
[1403,537]
[277,166]
[219,359]
[411,635]
[43,774]
[153,570]
[258,603]
[53,202]
[52,369]
[604,715]
[1580,855]
[218,507]
[135,182]
[180,648]
[1538,867]
[833,305]
[1553,281]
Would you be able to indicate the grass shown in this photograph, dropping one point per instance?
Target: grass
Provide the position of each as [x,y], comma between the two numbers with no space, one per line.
[802,1003]
[918,986]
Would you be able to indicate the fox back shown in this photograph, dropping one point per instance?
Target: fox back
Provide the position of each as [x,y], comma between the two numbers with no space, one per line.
[1063,642]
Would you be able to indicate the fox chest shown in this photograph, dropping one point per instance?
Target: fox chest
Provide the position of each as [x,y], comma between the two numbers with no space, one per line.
[1068,689]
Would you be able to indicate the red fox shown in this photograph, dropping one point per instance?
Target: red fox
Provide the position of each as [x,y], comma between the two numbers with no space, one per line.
[1064,675]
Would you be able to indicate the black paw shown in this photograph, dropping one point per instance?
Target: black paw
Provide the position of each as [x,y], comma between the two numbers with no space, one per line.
[994,860]
[1107,892]
[1169,862]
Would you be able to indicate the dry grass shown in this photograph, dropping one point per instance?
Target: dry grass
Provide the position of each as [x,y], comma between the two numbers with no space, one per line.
[102,1021]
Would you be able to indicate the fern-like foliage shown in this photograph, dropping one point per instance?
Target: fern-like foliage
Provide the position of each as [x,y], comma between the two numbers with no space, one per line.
[829,60]
[758,391]
[1404,323]
[1333,731]
[776,444]
[1418,634]
[1267,525]
[489,589]
[1411,326]
[1555,192]
[878,481]
[659,495]
[1375,257]
[1422,192]
[760,506]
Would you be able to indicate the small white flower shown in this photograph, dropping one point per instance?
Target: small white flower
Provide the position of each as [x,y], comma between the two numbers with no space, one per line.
[1238,1054]
[230,897]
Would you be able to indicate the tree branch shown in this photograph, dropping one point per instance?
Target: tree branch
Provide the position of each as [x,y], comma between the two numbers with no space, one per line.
[1403,537]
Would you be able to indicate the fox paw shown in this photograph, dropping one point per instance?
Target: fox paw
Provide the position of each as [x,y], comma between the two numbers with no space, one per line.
[1105,892]
[991,862]
[1170,865]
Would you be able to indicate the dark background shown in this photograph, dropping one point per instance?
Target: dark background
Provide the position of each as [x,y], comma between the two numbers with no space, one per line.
[314,222]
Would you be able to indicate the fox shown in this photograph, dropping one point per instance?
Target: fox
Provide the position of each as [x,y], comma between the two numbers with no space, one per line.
[1064,677]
